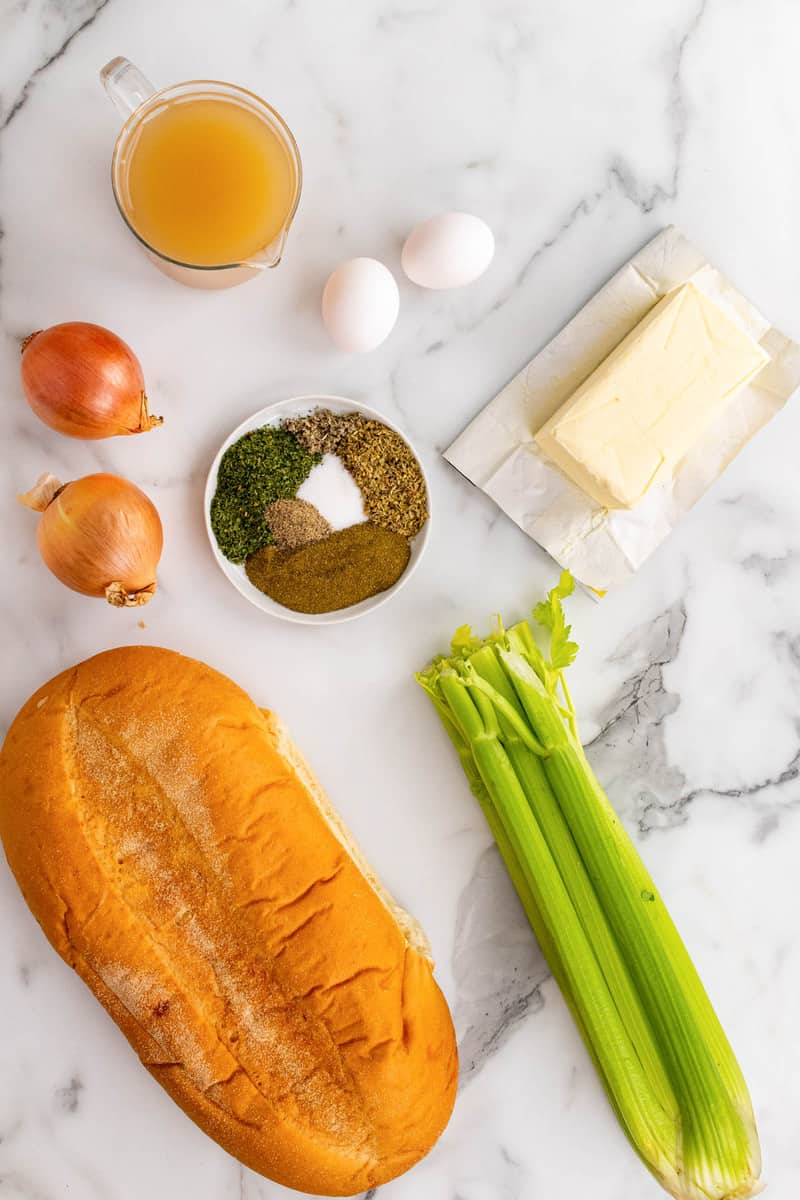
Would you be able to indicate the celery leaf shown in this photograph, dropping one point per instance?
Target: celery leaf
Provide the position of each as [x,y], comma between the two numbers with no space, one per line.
[464,640]
[550,615]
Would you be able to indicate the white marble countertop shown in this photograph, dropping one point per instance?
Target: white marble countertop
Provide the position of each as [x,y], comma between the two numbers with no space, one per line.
[577,130]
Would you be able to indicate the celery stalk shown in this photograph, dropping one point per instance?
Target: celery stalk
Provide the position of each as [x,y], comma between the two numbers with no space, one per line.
[644,1118]
[531,773]
[647,1022]
[504,846]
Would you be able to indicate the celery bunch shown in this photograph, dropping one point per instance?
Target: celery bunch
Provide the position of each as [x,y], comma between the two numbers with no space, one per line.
[613,949]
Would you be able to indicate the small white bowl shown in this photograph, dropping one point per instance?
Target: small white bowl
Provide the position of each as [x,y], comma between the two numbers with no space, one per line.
[271,415]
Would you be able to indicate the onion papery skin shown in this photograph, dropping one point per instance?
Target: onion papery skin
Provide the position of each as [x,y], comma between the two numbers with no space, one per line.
[84,381]
[102,536]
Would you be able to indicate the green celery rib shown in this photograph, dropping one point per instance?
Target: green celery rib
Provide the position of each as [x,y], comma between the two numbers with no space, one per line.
[718,1153]
[510,861]
[650,1127]
[532,775]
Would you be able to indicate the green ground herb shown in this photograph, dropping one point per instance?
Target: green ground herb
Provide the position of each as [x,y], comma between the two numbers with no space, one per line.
[350,565]
[263,466]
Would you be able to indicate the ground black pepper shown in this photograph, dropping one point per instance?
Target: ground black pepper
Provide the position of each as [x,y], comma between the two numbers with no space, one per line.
[295,522]
[265,465]
[350,565]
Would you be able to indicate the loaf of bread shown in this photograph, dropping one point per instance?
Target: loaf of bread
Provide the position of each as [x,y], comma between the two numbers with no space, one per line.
[178,853]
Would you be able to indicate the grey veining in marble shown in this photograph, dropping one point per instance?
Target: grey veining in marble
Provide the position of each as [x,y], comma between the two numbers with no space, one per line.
[498,967]
[576,130]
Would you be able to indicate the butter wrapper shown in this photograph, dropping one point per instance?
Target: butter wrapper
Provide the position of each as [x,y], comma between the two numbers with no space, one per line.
[497,452]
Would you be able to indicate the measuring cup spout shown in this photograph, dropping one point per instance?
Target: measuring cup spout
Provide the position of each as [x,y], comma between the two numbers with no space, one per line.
[125,85]
[271,255]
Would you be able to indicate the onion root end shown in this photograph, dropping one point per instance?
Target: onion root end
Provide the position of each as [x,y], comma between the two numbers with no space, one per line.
[120,597]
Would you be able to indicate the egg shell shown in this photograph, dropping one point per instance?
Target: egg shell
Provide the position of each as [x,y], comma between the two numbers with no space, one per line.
[360,303]
[448,250]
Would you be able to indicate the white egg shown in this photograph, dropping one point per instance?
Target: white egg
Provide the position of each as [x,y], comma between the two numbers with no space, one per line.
[360,304]
[448,251]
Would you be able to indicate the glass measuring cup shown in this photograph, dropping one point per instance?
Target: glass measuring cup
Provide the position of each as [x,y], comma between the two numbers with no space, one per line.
[139,103]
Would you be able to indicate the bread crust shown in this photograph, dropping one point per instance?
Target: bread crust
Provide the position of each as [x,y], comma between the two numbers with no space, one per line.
[179,854]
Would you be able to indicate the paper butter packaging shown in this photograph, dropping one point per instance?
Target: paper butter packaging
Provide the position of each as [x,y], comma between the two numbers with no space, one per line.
[615,429]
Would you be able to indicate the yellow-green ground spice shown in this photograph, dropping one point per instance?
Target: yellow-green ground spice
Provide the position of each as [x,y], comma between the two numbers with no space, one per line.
[350,565]
[388,474]
[264,465]
[295,523]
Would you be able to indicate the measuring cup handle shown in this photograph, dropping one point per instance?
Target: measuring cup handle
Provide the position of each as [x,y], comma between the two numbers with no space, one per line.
[125,85]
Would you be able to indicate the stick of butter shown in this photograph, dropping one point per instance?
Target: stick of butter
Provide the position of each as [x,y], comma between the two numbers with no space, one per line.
[636,416]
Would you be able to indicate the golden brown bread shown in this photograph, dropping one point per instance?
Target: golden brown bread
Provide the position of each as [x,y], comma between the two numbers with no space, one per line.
[179,855]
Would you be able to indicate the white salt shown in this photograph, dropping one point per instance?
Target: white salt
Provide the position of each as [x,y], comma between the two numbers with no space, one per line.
[331,488]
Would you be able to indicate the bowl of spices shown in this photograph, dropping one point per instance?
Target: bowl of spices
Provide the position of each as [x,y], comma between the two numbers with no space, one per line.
[317,509]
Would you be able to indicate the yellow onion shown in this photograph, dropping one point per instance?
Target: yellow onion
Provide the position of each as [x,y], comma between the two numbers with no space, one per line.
[99,535]
[83,380]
